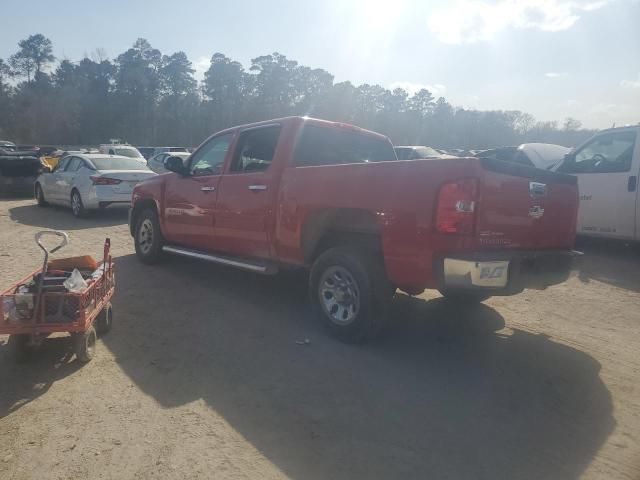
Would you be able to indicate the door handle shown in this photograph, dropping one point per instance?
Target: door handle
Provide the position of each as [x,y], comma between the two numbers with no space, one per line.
[207,189]
[257,187]
[632,184]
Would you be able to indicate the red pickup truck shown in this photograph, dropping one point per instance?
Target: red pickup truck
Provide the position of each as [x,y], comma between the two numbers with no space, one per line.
[334,198]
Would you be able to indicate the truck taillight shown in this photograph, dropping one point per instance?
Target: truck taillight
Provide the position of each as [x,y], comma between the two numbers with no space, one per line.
[457,206]
[105,181]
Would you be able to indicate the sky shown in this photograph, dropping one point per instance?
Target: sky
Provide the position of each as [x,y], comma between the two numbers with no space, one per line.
[551,58]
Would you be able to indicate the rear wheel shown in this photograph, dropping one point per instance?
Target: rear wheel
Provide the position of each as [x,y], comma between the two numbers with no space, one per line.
[104,319]
[350,293]
[77,207]
[85,345]
[464,297]
[148,237]
[40,196]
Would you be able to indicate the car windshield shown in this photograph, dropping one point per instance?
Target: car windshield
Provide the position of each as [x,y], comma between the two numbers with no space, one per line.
[114,163]
[127,152]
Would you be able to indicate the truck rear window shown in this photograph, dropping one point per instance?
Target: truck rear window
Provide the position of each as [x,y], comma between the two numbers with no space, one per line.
[332,146]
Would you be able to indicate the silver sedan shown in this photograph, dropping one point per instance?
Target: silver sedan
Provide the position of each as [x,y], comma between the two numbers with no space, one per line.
[156,163]
[90,181]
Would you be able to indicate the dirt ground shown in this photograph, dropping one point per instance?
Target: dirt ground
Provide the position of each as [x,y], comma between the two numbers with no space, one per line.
[201,377]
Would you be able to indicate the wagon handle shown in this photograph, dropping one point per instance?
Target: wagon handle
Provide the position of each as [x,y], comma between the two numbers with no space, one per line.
[57,233]
[43,272]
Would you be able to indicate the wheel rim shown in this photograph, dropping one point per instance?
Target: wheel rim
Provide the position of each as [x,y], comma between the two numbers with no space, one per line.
[145,236]
[38,193]
[76,203]
[339,295]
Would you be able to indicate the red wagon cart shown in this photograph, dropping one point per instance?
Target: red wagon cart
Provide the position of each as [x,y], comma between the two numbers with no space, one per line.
[40,304]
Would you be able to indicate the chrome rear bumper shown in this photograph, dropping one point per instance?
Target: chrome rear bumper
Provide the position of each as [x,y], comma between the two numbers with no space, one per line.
[505,273]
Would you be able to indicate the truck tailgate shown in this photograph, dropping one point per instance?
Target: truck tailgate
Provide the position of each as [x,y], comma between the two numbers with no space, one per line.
[525,207]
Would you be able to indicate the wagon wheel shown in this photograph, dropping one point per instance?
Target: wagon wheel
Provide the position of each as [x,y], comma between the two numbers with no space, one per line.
[20,348]
[84,344]
[104,319]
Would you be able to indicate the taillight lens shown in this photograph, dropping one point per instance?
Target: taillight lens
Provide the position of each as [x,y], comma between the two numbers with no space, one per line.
[105,181]
[456,207]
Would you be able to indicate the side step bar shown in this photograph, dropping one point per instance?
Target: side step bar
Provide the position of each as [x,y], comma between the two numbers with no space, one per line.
[232,262]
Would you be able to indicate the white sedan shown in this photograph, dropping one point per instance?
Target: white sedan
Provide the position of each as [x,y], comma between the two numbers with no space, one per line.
[156,163]
[90,181]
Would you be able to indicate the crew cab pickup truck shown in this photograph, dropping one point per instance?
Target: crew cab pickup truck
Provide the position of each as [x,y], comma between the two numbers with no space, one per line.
[335,199]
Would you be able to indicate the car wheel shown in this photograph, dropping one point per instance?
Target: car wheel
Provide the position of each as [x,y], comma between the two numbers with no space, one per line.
[85,345]
[148,237]
[77,207]
[40,196]
[350,293]
[464,297]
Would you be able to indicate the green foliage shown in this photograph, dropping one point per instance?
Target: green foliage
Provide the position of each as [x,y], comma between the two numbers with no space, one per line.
[148,98]
[32,57]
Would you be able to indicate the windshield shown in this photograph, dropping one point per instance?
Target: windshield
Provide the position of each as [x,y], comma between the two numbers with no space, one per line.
[127,152]
[115,163]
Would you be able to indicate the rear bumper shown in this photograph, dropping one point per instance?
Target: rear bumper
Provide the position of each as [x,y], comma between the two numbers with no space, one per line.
[504,273]
[103,196]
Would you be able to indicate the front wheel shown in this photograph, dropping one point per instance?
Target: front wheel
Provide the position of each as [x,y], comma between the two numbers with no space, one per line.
[464,297]
[148,237]
[350,293]
[85,345]
[20,348]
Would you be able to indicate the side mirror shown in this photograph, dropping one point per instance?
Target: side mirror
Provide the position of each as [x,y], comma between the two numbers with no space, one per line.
[567,160]
[175,164]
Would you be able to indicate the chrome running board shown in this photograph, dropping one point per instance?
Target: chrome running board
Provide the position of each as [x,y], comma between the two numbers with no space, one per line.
[229,261]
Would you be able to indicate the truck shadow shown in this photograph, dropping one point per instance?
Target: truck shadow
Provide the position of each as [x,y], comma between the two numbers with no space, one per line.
[447,392]
[60,218]
[610,261]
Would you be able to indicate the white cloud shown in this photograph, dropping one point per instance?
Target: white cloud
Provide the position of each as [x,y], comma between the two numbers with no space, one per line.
[471,21]
[436,89]
[200,66]
[631,83]
[555,74]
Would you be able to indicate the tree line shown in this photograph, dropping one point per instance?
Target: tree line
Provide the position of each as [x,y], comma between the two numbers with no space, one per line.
[146,97]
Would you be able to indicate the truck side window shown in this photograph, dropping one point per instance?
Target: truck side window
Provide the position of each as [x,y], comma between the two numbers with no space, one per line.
[333,146]
[255,149]
[607,153]
[403,153]
[209,159]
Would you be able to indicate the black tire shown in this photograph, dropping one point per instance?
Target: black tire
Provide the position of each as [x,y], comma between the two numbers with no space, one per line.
[344,279]
[104,320]
[464,297]
[77,207]
[39,194]
[20,349]
[148,237]
[84,345]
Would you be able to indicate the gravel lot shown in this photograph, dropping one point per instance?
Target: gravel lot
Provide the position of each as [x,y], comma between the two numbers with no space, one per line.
[201,377]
